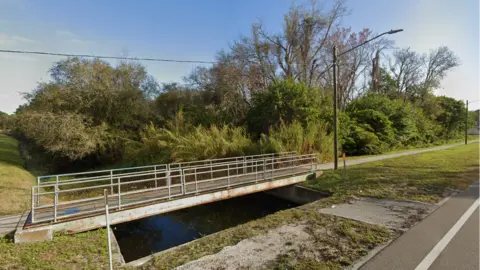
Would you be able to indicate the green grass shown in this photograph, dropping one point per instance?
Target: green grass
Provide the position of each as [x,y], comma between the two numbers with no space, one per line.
[15,181]
[82,251]
[410,148]
[347,240]
[426,177]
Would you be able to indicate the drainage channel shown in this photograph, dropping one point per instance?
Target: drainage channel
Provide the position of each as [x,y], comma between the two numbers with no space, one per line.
[146,236]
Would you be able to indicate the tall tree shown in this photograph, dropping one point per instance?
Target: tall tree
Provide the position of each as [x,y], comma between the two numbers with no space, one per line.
[294,53]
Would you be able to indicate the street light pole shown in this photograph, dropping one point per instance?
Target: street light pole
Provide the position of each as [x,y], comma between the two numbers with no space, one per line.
[335,128]
[335,119]
[466,120]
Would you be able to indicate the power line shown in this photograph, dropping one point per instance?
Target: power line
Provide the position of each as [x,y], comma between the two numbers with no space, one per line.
[106,57]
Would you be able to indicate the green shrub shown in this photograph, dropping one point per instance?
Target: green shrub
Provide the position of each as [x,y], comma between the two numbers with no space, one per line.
[362,142]
[377,123]
[284,101]
[293,137]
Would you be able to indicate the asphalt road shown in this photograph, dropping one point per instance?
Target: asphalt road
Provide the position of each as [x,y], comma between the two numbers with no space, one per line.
[461,249]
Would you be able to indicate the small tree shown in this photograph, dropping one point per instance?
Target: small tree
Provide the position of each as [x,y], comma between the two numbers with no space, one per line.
[451,117]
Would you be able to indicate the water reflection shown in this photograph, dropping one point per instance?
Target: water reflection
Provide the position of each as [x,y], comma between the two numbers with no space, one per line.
[153,234]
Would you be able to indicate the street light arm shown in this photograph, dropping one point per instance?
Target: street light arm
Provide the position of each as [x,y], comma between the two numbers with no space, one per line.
[365,42]
[386,33]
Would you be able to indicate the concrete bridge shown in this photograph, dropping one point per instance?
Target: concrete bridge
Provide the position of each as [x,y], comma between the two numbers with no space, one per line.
[75,202]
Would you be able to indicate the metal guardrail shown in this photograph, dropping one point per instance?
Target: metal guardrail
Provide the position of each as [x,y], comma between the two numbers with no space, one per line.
[66,199]
[92,175]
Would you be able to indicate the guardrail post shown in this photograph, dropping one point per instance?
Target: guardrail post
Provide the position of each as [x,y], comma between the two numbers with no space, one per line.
[119,192]
[55,203]
[293,164]
[182,181]
[155,171]
[196,183]
[211,170]
[244,165]
[169,181]
[228,175]
[33,205]
[111,181]
[264,169]
[38,191]
[256,170]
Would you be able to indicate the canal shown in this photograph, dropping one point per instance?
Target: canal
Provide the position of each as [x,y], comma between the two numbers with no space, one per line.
[143,237]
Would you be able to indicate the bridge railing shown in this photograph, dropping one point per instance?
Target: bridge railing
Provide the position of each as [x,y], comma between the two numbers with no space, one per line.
[91,176]
[57,201]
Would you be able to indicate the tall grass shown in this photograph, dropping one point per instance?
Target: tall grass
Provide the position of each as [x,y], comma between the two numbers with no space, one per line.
[164,145]
[179,141]
[294,137]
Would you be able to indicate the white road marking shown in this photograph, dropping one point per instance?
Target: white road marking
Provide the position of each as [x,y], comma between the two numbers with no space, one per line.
[432,256]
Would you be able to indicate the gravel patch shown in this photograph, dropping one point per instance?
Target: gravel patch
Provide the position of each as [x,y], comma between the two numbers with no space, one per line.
[256,252]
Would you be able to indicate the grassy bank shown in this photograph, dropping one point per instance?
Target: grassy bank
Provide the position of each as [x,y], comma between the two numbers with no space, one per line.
[426,177]
[15,181]
[87,250]
[82,251]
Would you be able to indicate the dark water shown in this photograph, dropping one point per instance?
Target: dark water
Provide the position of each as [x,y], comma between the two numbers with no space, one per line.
[143,237]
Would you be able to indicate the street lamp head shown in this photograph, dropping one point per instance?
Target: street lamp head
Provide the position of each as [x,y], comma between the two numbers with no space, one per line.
[394,31]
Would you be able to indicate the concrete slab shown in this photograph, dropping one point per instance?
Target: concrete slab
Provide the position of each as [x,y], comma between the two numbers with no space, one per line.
[393,214]
[27,236]
[8,224]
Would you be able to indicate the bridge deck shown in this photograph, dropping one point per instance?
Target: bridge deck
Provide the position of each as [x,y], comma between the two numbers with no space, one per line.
[96,206]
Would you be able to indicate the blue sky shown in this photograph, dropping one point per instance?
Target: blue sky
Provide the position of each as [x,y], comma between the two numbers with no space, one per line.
[189,29]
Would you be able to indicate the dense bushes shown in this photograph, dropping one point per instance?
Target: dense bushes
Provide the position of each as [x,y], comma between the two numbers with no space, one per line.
[374,123]
[284,101]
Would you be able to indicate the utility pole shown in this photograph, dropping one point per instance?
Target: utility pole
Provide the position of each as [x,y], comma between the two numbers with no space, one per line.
[335,129]
[376,72]
[466,122]
[334,65]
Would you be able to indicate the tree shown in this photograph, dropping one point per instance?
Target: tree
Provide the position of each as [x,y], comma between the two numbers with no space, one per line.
[439,62]
[417,75]
[451,117]
[88,108]
[407,70]
[283,101]
[295,52]
[224,88]
[351,65]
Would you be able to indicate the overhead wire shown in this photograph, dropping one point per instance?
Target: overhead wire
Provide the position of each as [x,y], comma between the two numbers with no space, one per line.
[106,57]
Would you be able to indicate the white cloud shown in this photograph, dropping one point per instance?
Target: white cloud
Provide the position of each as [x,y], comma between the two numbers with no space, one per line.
[6,39]
[68,36]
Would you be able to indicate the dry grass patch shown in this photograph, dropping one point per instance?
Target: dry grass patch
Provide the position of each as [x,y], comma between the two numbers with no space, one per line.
[15,181]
